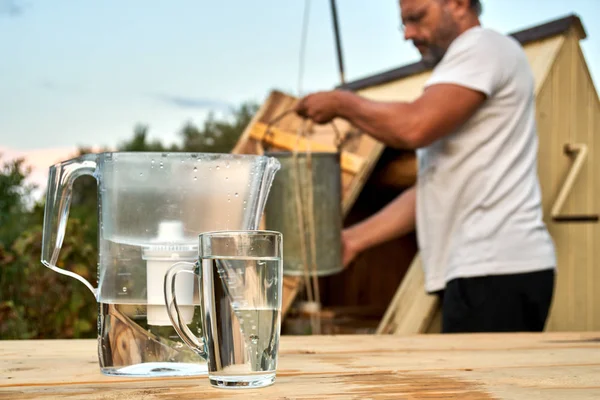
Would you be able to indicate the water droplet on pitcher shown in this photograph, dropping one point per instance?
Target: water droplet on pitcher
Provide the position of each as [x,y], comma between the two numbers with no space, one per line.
[226,178]
[161,164]
[236,195]
[152,162]
[141,174]
[217,167]
[195,178]
[124,289]
[254,339]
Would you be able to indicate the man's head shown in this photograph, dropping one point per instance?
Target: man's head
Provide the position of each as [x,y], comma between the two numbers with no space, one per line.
[432,25]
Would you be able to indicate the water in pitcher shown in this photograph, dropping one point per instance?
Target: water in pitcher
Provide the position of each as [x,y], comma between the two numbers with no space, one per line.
[242,336]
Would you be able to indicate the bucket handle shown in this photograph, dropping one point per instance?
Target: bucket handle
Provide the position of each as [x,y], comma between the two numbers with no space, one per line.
[339,140]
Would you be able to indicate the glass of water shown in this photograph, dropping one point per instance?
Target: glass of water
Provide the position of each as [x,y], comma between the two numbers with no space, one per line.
[240,277]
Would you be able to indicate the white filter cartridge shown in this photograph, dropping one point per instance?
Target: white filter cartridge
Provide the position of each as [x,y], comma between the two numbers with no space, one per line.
[166,250]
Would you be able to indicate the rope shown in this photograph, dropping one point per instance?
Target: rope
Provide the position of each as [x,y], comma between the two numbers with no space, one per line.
[300,212]
[305,222]
[312,291]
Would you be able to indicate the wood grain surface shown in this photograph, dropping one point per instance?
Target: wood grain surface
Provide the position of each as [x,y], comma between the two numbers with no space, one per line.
[501,366]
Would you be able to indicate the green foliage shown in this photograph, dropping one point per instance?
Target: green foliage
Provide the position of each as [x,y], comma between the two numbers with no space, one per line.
[217,136]
[36,302]
[47,304]
[13,195]
[214,136]
[139,142]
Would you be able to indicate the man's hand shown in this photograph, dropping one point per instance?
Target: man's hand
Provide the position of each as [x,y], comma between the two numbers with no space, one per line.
[320,107]
[350,249]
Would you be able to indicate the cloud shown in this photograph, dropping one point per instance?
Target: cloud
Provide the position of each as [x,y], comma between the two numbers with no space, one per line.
[56,87]
[201,103]
[12,8]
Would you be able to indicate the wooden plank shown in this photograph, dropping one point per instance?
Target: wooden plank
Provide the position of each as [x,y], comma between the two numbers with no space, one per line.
[412,309]
[289,141]
[361,177]
[398,173]
[478,366]
[291,287]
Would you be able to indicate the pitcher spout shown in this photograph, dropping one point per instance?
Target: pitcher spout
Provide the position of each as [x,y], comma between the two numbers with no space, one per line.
[272,166]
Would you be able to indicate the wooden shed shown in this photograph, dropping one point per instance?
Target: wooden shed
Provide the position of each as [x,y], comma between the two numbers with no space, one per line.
[382,291]
[568,116]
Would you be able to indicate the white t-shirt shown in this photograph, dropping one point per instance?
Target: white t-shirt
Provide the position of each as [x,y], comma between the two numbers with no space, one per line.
[478,196]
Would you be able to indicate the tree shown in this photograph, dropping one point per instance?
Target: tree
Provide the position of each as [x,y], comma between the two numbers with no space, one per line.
[34,301]
[14,193]
[139,141]
[218,136]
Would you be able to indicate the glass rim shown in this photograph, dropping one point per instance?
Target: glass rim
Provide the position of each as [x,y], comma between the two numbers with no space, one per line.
[236,232]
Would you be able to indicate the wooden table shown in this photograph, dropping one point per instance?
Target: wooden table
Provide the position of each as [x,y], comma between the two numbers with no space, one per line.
[509,366]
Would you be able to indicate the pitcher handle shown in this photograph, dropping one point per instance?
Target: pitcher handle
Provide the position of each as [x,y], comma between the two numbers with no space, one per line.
[195,343]
[56,212]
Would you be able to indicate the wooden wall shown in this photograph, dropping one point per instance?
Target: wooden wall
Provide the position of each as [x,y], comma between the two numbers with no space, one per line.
[568,111]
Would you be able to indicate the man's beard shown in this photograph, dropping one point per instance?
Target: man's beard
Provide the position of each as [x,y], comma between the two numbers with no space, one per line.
[433,56]
[444,35]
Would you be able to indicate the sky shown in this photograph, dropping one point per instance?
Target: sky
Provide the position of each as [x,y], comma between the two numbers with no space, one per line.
[83,73]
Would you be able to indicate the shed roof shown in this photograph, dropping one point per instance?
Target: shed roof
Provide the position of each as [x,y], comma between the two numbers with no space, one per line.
[532,34]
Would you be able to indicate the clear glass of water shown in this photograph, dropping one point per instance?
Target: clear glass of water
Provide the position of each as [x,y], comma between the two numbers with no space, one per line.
[240,275]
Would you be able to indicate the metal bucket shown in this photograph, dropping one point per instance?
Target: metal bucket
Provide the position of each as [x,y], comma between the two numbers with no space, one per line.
[281,211]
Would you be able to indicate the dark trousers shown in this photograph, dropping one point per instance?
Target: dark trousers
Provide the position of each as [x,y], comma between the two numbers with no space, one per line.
[497,303]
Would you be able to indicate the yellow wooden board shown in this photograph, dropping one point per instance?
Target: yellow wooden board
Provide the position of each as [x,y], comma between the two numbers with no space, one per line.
[359,152]
[412,310]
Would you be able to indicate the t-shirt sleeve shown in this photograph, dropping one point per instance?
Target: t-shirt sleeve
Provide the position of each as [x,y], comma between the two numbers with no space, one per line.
[473,62]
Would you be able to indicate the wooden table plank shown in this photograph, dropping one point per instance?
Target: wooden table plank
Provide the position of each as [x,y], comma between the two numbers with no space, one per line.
[541,366]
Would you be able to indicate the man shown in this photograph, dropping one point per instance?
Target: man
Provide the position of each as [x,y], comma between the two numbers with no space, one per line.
[476,205]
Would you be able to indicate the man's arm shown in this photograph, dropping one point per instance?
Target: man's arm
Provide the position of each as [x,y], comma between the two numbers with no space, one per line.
[439,111]
[394,220]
